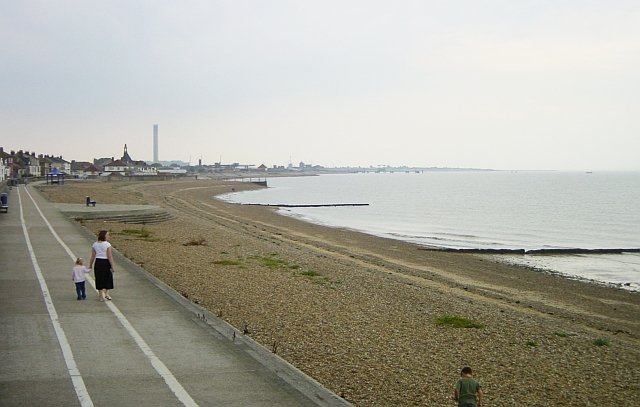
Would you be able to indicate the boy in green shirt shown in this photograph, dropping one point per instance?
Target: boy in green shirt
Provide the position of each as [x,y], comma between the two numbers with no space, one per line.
[466,390]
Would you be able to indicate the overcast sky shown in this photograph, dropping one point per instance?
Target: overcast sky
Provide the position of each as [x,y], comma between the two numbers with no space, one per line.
[488,84]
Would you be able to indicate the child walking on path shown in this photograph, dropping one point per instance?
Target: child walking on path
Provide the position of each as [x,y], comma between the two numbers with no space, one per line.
[468,392]
[79,272]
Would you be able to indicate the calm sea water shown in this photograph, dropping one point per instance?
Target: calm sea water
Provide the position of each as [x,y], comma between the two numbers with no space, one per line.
[484,209]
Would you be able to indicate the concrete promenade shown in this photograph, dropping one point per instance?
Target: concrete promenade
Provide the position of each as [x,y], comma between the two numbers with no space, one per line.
[147,347]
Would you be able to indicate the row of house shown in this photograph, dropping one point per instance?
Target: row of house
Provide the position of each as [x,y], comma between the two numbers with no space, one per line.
[25,164]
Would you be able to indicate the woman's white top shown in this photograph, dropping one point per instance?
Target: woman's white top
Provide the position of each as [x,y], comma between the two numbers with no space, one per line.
[101,249]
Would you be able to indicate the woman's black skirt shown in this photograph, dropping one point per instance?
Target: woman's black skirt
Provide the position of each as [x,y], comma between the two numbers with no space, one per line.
[104,276]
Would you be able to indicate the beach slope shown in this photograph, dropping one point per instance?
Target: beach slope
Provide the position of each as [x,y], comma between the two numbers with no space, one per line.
[374,319]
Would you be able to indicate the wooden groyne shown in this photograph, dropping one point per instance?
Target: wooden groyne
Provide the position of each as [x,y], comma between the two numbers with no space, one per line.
[309,205]
[533,251]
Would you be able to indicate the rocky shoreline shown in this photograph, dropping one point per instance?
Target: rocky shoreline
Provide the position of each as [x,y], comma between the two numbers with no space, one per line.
[370,318]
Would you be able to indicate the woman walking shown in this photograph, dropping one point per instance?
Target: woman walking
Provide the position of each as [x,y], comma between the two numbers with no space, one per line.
[103,267]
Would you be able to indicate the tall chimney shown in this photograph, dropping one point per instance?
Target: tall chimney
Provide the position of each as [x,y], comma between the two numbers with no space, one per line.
[155,143]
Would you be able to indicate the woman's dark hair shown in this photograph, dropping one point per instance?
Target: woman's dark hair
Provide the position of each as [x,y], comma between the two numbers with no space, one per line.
[102,235]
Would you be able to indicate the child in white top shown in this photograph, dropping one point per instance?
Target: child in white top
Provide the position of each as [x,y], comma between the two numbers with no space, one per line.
[78,275]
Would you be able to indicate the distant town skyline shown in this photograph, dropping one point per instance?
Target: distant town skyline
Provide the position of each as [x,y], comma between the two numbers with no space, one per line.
[523,85]
[116,157]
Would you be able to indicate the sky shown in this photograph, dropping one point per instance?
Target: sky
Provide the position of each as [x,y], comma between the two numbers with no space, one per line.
[503,84]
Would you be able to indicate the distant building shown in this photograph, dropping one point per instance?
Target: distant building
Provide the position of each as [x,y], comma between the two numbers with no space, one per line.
[23,164]
[45,165]
[126,166]
[171,171]
[117,166]
[84,169]
[29,162]
[101,162]
[4,165]
[61,164]
[20,165]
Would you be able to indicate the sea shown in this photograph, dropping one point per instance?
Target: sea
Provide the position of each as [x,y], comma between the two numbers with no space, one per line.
[529,210]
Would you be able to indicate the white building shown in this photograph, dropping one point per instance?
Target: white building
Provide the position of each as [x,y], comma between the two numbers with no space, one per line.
[4,169]
[127,166]
[117,166]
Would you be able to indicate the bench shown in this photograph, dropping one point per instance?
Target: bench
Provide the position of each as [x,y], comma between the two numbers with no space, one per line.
[4,202]
[90,202]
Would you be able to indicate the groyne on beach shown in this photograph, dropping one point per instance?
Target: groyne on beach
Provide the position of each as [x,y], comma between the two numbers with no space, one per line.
[308,205]
[535,251]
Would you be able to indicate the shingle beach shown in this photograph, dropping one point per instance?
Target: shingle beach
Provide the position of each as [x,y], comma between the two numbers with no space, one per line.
[363,315]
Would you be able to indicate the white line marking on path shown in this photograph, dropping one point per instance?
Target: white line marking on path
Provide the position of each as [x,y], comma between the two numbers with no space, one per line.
[157,364]
[76,378]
